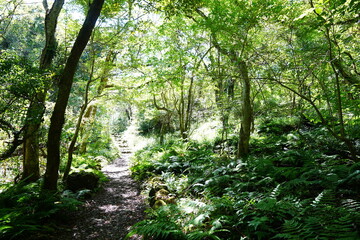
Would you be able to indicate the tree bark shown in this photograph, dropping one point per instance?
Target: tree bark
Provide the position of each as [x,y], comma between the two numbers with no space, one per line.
[31,171]
[85,132]
[78,124]
[247,112]
[65,84]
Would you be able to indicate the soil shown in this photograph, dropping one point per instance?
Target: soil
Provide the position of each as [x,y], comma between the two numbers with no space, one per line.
[110,213]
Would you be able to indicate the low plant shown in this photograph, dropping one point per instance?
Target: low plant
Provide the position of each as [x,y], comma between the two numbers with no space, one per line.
[26,210]
[286,189]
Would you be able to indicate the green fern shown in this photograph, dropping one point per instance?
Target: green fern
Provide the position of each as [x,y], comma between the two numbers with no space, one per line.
[201,235]
[341,228]
[322,219]
[351,204]
[155,229]
[325,198]
[291,230]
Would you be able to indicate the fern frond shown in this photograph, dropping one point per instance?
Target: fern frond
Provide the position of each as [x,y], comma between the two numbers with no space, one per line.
[157,230]
[351,204]
[326,197]
[341,228]
[291,230]
[274,193]
[200,235]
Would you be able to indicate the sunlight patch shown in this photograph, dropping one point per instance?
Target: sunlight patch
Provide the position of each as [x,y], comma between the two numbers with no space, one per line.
[109,208]
[114,169]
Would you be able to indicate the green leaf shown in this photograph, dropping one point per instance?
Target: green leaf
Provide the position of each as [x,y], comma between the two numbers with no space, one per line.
[4,228]
[304,14]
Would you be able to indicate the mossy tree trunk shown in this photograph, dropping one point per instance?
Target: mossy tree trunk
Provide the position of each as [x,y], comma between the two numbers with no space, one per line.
[35,112]
[90,113]
[247,112]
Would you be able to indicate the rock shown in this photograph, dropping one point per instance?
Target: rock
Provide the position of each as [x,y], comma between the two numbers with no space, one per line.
[160,197]
[82,180]
[159,203]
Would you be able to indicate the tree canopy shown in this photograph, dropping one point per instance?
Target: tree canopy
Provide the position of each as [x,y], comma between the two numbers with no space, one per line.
[264,93]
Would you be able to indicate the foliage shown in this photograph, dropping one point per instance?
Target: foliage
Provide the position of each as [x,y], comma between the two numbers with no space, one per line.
[171,220]
[176,66]
[90,163]
[288,189]
[26,210]
[19,82]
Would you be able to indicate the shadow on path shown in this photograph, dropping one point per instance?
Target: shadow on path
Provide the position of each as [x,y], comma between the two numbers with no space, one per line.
[111,212]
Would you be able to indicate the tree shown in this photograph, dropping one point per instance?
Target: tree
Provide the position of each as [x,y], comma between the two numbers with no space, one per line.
[36,109]
[174,54]
[312,44]
[7,10]
[21,43]
[78,123]
[236,53]
[19,82]
[65,84]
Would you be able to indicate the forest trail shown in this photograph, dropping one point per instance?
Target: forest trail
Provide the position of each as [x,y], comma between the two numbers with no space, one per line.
[114,209]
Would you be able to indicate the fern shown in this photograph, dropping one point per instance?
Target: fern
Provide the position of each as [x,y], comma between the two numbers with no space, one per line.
[322,219]
[341,228]
[325,198]
[201,235]
[155,229]
[274,193]
[351,204]
[24,209]
[291,230]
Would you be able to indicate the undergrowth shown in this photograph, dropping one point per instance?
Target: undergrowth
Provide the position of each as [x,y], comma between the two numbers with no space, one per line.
[27,212]
[296,184]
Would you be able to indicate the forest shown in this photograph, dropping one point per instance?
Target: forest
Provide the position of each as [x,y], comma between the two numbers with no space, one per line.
[242,116]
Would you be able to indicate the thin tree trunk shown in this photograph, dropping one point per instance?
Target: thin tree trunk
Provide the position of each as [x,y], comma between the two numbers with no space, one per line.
[190,104]
[91,111]
[78,124]
[247,112]
[343,134]
[65,84]
[90,114]
[324,122]
[246,108]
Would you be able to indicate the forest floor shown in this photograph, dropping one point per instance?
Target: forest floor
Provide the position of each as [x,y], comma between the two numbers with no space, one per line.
[110,213]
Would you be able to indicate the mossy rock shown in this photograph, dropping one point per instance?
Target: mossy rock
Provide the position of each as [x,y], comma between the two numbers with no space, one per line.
[82,180]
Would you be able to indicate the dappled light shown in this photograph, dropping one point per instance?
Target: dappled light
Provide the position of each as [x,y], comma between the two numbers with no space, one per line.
[179,120]
[114,209]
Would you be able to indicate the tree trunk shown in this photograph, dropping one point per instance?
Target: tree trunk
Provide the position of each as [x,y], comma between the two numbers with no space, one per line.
[90,115]
[91,111]
[78,124]
[339,108]
[247,112]
[65,84]
[189,107]
[34,115]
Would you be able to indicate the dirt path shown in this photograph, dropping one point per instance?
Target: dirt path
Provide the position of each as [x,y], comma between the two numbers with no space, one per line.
[111,212]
